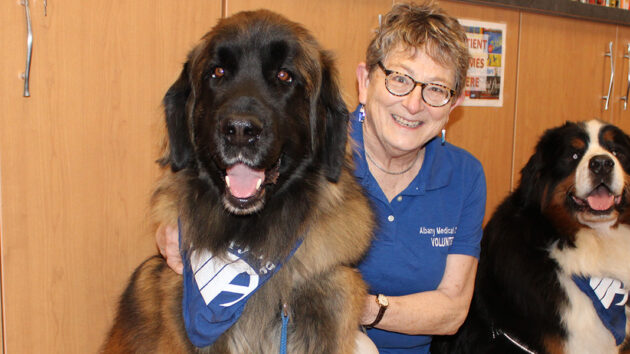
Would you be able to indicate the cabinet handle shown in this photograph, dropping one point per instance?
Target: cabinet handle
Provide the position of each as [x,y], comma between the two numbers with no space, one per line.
[612,74]
[625,98]
[29,48]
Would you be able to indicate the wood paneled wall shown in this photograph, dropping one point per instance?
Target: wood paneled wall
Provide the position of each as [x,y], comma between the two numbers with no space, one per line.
[77,158]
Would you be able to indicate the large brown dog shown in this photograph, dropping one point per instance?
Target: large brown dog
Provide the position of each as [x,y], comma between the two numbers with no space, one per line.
[259,159]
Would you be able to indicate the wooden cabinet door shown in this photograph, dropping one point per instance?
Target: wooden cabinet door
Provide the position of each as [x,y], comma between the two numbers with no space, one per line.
[77,158]
[488,132]
[621,108]
[563,74]
[343,27]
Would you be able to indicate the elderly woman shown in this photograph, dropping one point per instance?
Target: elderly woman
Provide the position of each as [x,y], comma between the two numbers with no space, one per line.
[429,196]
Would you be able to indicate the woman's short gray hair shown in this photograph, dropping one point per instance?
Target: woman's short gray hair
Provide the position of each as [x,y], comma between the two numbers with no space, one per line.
[412,26]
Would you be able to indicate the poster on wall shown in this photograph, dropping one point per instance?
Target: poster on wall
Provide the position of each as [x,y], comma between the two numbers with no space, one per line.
[486,68]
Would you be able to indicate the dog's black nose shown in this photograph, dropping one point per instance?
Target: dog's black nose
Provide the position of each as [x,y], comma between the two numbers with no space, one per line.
[601,164]
[241,130]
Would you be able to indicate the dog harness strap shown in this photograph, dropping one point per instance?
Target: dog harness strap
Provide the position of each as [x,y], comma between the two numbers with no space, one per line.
[609,299]
[216,289]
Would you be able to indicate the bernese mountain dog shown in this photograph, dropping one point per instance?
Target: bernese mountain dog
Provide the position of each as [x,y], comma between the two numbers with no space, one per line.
[555,254]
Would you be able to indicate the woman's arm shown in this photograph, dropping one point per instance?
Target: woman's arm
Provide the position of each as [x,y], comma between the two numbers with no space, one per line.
[441,311]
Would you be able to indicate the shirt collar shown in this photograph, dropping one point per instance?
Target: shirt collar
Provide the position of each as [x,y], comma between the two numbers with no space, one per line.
[437,167]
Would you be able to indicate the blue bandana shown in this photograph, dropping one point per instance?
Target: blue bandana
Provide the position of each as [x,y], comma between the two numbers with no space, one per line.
[216,290]
[609,299]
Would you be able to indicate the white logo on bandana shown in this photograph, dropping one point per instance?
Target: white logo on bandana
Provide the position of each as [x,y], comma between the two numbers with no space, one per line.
[606,289]
[214,275]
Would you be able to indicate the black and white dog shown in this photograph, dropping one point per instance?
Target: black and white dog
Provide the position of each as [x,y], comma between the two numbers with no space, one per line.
[554,256]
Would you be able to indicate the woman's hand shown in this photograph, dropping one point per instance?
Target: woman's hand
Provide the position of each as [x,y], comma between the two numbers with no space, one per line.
[167,240]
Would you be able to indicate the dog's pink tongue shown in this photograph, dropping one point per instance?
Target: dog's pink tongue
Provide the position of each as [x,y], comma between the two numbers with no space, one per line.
[243,180]
[601,199]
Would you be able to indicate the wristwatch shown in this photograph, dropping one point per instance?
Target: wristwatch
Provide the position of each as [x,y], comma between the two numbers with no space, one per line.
[382,302]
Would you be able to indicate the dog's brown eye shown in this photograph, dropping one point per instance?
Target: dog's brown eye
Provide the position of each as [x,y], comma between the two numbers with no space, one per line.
[218,72]
[284,76]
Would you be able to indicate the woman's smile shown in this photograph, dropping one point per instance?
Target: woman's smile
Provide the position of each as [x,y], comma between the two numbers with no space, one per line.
[405,122]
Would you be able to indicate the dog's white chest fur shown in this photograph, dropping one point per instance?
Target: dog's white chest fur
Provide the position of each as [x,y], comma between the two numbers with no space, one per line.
[600,253]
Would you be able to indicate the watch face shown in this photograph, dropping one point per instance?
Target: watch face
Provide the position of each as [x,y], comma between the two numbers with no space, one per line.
[382,300]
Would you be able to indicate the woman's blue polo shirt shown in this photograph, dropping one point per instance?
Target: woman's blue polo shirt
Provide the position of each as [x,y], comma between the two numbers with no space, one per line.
[440,213]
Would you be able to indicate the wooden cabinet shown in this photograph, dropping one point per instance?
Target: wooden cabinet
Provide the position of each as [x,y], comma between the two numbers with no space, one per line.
[563,74]
[77,158]
[488,132]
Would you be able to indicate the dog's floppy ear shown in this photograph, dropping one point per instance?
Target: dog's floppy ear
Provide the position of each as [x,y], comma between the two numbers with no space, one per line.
[537,174]
[530,185]
[180,144]
[337,116]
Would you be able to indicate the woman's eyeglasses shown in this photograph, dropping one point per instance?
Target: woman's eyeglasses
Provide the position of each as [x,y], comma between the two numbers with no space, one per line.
[398,84]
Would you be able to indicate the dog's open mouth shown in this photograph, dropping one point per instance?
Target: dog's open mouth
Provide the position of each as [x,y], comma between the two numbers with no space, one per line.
[600,200]
[245,187]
